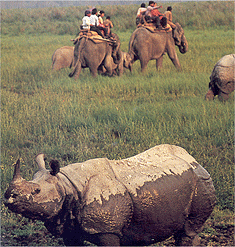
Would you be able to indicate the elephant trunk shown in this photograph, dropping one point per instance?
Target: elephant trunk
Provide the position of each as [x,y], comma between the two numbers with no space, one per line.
[183,48]
[117,56]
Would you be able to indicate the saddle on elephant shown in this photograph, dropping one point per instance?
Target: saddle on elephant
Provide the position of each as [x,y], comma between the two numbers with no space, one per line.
[93,36]
[153,29]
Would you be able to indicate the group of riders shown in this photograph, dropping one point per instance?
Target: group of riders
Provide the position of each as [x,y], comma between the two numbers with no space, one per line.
[150,15]
[93,21]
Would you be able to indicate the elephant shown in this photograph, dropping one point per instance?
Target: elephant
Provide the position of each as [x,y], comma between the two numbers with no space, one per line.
[222,78]
[117,69]
[145,46]
[93,53]
[63,58]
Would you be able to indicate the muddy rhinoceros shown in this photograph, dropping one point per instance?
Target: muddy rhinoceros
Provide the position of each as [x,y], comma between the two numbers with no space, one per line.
[222,78]
[134,201]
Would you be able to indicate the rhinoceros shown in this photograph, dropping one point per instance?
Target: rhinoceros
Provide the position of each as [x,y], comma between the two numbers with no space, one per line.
[134,201]
[222,78]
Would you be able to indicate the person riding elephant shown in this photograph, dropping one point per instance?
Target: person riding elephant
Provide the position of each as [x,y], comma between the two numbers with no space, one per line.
[168,15]
[145,45]
[92,54]
[152,14]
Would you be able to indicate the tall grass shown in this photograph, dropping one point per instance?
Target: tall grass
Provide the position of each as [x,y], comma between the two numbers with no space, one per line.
[193,15]
[45,111]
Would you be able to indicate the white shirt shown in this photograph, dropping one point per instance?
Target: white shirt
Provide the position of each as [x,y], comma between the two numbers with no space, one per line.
[140,11]
[86,22]
[94,20]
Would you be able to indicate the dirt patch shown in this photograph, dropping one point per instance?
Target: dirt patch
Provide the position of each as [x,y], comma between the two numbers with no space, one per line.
[214,234]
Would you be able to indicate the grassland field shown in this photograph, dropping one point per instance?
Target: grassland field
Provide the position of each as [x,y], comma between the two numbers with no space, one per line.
[75,120]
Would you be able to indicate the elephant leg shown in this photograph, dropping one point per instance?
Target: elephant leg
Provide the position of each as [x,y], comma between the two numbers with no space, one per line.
[93,71]
[159,62]
[120,69]
[174,58]
[143,64]
[108,65]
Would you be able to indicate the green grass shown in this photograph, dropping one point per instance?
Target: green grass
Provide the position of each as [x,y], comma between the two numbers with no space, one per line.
[45,111]
[74,120]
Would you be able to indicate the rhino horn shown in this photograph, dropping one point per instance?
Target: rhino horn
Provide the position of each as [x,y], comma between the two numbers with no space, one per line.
[16,175]
[40,161]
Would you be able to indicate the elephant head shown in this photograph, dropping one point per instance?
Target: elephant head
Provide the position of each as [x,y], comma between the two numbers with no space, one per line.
[127,61]
[180,39]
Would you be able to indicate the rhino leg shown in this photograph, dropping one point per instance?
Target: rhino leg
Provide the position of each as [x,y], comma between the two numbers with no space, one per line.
[209,95]
[108,240]
[223,96]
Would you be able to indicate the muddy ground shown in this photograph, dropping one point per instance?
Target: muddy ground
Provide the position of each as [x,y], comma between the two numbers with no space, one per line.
[214,234]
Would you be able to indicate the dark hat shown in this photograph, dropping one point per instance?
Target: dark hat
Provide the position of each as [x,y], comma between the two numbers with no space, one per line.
[151,2]
[87,12]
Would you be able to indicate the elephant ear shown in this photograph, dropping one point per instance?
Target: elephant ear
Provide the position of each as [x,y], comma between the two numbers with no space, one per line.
[178,33]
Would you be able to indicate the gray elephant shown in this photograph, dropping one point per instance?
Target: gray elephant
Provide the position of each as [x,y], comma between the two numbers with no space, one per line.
[117,69]
[93,52]
[222,78]
[146,45]
[63,58]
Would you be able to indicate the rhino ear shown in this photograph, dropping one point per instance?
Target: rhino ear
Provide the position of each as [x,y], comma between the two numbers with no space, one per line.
[40,161]
[55,167]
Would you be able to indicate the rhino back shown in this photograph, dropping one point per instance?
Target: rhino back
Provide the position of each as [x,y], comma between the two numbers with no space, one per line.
[161,182]
[223,74]
[151,165]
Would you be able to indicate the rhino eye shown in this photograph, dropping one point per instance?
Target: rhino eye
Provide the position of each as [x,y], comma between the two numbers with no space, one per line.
[14,195]
[36,191]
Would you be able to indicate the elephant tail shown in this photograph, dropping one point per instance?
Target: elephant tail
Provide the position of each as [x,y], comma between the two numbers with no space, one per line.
[53,58]
[131,51]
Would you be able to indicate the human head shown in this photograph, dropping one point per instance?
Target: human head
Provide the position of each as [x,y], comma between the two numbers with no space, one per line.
[151,3]
[87,12]
[142,5]
[108,17]
[94,11]
[169,8]
[101,13]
